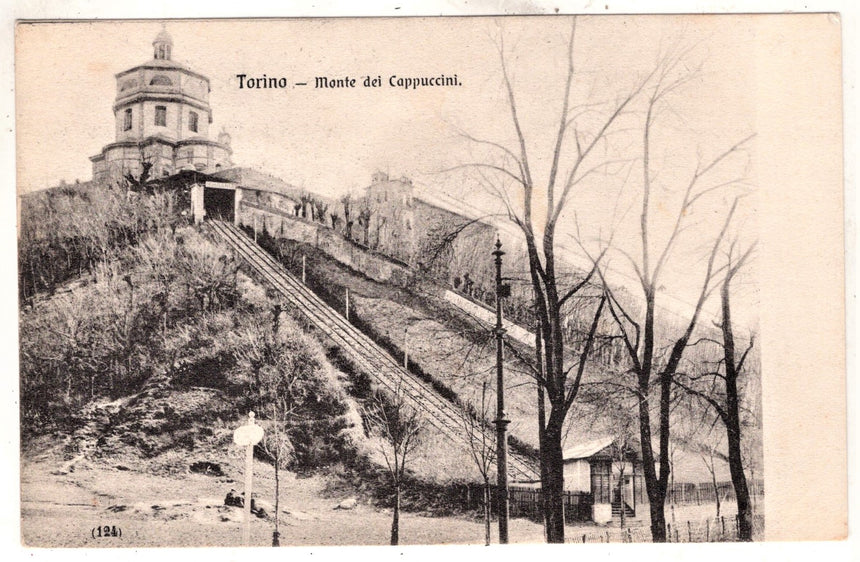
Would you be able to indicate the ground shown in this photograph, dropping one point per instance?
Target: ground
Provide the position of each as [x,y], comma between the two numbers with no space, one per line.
[61,504]
[188,510]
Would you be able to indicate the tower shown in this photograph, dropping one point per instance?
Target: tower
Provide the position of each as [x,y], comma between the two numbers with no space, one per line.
[161,117]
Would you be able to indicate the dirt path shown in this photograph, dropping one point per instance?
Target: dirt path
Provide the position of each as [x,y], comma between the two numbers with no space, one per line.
[186,510]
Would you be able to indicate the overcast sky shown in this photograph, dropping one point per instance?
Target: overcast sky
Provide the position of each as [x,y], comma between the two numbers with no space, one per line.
[332,140]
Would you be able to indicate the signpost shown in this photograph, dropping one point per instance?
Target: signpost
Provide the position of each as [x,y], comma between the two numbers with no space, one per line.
[248,435]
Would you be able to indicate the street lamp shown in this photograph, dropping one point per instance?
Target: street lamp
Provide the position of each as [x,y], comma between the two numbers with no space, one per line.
[501,423]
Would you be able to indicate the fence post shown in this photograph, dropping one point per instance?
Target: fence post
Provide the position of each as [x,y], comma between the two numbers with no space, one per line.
[406,348]
[347,304]
[669,532]
[629,535]
[304,282]
[689,532]
[707,530]
[583,538]
[723,526]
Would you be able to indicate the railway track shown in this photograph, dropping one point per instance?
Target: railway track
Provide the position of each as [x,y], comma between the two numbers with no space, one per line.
[366,353]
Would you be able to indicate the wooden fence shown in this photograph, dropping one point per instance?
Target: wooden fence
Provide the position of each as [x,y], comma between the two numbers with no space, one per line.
[705,492]
[524,502]
[527,502]
[715,529]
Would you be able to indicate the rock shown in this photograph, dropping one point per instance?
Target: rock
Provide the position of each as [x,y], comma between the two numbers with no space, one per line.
[206,467]
[348,503]
[234,499]
[258,509]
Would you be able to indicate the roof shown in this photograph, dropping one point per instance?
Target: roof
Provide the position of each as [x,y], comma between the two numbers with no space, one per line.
[448,204]
[163,37]
[255,179]
[162,64]
[587,449]
[188,176]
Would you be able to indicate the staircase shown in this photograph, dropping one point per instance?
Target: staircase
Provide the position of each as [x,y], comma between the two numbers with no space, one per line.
[369,356]
[629,512]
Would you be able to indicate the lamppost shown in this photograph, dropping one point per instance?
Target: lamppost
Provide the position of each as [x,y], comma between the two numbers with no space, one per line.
[501,423]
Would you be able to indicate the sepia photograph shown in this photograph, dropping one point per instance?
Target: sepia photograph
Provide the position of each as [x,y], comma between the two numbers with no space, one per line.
[413,281]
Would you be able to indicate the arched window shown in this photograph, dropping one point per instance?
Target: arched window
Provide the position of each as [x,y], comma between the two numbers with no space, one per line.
[160,80]
[192,121]
[160,116]
[126,120]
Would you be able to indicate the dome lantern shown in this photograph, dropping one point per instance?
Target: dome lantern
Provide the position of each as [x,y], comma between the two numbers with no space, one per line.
[162,45]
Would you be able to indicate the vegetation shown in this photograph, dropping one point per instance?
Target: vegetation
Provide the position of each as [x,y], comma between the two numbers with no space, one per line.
[399,430]
[584,149]
[170,311]
[65,232]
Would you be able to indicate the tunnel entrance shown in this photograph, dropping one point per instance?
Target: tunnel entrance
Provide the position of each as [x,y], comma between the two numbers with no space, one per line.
[219,203]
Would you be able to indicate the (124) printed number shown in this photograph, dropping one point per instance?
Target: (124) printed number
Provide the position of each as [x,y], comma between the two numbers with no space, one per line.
[106,531]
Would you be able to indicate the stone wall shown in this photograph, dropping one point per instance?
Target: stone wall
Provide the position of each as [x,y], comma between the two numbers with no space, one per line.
[281,224]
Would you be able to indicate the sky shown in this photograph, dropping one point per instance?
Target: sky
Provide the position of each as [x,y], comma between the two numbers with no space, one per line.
[331,140]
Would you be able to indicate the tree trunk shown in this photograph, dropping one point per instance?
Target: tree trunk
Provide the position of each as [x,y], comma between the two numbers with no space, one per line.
[395,521]
[553,485]
[621,494]
[487,512]
[716,488]
[541,427]
[739,479]
[276,536]
[733,425]
[656,499]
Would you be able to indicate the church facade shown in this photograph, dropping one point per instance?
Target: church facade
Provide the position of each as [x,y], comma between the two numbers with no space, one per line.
[162,117]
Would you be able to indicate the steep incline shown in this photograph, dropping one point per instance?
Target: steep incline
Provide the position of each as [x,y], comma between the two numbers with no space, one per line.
[372,358]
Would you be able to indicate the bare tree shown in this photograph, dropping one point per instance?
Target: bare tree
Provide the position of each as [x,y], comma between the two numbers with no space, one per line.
[346,201]
[623,425]
[652,369]
[709,452]
[279,385]
[364,216]
[510,178]
[482,448]
[400,430]
[720,388]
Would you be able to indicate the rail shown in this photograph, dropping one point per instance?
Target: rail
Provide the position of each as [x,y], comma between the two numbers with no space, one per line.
[366,353]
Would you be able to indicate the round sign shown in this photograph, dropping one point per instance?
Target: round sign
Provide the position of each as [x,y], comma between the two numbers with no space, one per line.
[249,434]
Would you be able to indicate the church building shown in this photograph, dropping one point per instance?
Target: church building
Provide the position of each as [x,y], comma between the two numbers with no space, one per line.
[162,117]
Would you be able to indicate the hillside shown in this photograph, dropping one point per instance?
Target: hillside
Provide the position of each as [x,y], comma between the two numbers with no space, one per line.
[134,375]
[450,348]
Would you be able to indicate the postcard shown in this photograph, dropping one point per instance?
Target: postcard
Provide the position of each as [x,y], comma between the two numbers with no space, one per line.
[430,281]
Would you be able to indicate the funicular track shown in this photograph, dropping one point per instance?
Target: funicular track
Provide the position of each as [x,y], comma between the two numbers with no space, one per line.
[366,353]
